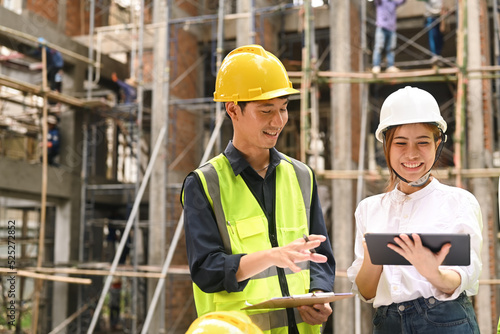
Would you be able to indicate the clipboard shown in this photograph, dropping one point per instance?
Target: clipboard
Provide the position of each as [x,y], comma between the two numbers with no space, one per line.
[299,300]
[380,254]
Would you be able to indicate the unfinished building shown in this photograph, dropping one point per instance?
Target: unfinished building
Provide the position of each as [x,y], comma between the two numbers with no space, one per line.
[104,221]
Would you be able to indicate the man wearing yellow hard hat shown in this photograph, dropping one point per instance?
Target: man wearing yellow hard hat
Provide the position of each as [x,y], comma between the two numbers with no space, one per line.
[248,211]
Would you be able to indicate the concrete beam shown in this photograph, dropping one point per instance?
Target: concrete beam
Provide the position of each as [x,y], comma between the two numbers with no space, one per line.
[36,26]
[24,178]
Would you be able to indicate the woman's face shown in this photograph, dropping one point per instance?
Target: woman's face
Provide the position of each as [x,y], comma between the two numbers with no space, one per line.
[412,153]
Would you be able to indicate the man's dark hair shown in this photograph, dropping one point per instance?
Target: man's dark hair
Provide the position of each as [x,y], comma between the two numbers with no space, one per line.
[242,104]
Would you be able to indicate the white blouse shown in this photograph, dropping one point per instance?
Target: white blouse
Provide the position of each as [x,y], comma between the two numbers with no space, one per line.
[437,208]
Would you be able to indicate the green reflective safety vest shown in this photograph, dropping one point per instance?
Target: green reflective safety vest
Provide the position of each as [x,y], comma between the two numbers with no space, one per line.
[244,229]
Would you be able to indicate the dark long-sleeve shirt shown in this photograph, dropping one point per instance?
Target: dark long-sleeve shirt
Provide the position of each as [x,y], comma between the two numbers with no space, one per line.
[211,268]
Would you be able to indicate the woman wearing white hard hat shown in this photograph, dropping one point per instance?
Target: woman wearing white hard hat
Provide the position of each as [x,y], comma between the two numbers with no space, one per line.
[424,297]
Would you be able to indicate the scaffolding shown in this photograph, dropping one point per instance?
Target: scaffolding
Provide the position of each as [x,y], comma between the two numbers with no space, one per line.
[457,72]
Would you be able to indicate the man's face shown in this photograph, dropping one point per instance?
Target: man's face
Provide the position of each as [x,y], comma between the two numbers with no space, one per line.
[258,126]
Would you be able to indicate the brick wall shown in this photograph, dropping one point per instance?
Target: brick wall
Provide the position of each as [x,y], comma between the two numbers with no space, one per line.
[77,18]
[45,8]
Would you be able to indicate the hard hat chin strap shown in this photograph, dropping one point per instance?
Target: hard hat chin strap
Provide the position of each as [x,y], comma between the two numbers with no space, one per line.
[424,178]
[418,183]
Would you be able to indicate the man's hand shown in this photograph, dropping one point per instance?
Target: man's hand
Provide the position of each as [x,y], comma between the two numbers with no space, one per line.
[316,314]
[298,251]
[282,257]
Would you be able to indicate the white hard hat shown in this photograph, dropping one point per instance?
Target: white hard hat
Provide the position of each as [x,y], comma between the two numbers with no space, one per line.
[51,119]
[409,105]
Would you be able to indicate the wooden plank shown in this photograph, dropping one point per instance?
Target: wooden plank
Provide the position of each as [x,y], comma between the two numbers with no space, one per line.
[146,272]
[26,273]
[51,95]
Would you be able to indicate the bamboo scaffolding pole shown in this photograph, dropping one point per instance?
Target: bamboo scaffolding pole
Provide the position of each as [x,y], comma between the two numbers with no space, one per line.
[105,272]
[68,320]
[4,242]
[439,71]
[12,32]
[43,208]
[305,85]
[440,173]
[495,281]
[37,276]
[460,98]
[52,95]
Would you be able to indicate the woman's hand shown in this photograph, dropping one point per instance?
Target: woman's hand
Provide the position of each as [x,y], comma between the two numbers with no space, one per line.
[426,262]
[421,257]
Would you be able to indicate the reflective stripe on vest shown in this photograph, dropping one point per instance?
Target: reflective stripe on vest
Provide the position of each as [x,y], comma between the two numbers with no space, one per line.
[243,227]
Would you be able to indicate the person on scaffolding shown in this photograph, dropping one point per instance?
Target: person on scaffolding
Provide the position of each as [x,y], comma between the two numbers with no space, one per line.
[128,92]
[247,210]
[433,11]
[53,141]
[385,34]
[115,298]
[424,297]
[55,63]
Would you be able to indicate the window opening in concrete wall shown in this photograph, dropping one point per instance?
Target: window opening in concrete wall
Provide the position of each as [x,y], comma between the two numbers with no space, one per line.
[14,5]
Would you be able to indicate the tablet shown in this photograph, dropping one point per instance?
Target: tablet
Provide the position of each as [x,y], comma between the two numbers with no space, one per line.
[459,254]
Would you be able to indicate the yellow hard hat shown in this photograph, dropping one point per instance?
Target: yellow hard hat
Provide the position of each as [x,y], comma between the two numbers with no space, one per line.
[223,322]
[250,73]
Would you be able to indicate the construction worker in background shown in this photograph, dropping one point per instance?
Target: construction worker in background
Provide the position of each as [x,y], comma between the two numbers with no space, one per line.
[115,298]
[128,92]
[385,34]
[53,140]
[424,297]
[246,210]
[55,64]
[224,322]
[433,11]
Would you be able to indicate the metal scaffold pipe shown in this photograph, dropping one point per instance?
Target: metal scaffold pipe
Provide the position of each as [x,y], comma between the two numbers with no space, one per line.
[180,224]
[178,232]
[140,111]
[126,232]
[362,148]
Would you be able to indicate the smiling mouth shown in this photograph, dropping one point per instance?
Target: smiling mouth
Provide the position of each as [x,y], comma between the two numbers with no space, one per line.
[412,165]
[271,133]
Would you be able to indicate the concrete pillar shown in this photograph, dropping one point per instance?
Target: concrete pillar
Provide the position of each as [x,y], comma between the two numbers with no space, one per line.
[243,26]
[61,16]
[342,192]
[71,162]
[158,182]
[477,158]
[61,256]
